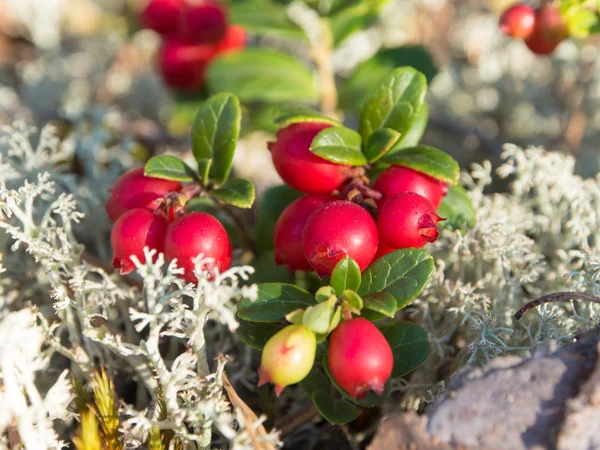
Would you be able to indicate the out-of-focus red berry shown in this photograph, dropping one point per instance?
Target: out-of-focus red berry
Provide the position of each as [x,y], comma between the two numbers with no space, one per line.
[235,39]
[205,21]
[518,21]
[183,63]
[383,249]
[550,30]
[163,16]
[396,179]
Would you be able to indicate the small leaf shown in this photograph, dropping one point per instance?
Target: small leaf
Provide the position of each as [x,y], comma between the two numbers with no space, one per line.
[316,380]
[204,166]
[415,132]
[289,114]
[274,201]
[340,145]
[335,411]
[457,208]
[346,275]
[318,318]
[428,160]
[382,303]
[265,18]
[237,192]
[275,300]
[256,334]
[169,167]
[409,343]
[215,133]
[354,299]
[295,317]
[379,143]
[324,293]
[335,319]
[401,273]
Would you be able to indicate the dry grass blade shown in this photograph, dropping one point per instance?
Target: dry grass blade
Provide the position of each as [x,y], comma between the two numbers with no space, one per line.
[106,409]
[88,437]
[256,433]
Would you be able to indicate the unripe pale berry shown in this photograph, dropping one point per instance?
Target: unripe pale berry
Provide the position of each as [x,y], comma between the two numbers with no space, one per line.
[287,236]
[287,357]
[197,234]
[163,16]
[396,179]
[518,21]
[134,230]
[183,63]
[360,358]
[206,22]
[408,220]
[300,168]
[336,230]
[235,39]
[550,30]
[133,189]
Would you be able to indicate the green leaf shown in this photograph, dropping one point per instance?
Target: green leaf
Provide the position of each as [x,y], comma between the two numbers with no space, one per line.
[290,113]
[317,318]
[215,133]
[394,103]
[335,319]
[401,273]
[428,160]
[324,293]
[262,75]
[409,343]
[204,166]
[340,145]
[382,303]
[372,72]
[581,22]
[415,133]
[274,201]
[275,300]
[237,192]
[256,334]
[379,143]
[335,411]
[346,275]
[457,208]
[316,380]
[169,167]
[295,317]
[352,19]
[353,299]
[264,17]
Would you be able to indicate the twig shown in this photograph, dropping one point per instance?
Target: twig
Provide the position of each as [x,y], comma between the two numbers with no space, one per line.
[321,54]
[290,423]
[556,297]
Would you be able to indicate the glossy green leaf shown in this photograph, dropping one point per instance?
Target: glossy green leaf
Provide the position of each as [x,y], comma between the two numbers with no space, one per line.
[401,273]
[262,75]
[256,334]
[394,103]
[340,145]
[409,343]
[317,318]
[380,143]
[457,208]
[316,380]
[382,303]
[169,167]
[353,299]
[415,133]
[237,192]
[324,293]
[429,160]
[275,300]
[334,411]
[345,275]
[204,166]
[291,113]
[215,133]
[263,17]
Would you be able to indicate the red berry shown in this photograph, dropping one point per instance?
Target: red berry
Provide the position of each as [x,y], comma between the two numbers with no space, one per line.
[396,179]
[163,16]
[183,64]
[300,168]
[518,21]
[197,234]
[235,39]
[287,236]
[360,358]
[133,189]
[206,22]
[550,30]
[336,230]
[133,231]
[383,249]
[408,220]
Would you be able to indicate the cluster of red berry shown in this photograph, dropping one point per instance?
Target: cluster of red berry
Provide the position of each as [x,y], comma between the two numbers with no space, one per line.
[145,213]
[542,29]
[341,216]
[194,34]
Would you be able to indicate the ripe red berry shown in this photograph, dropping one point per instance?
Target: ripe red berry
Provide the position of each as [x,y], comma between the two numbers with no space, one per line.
[163,16]
[336,230]
[408,220]
[133,189]
[518,21]
[133,231]
[235,39]
[383,249]
[183,64]
[396,179]
[300,168]
[206,22]
[550,30]
[287,236]
[287,357]
[197,234]
[360,358]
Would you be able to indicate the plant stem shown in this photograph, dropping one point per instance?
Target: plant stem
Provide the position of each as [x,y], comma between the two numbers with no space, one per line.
[321,53]
[556,297]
